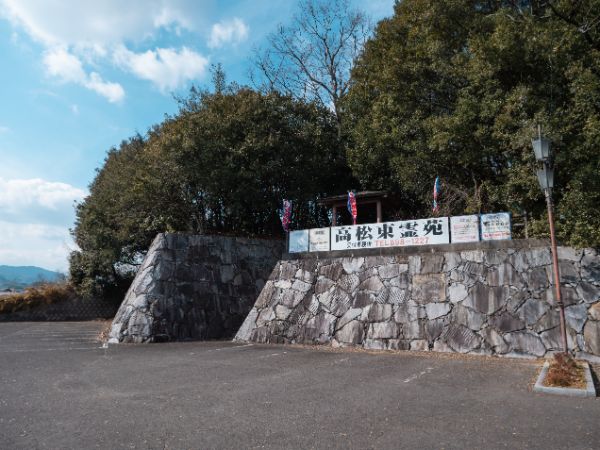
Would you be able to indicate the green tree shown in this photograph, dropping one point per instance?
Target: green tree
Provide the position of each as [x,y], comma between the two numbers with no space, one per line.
[455,88]
[111,227]
[223,164]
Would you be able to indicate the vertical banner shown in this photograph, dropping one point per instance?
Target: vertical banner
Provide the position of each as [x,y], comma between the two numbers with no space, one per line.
[286,216]
[436,193]
[319,240]
[298,241]
[495,226]
[464,228]
[352,206]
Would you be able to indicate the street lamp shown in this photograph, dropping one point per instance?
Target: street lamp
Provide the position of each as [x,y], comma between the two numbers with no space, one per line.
[542,148]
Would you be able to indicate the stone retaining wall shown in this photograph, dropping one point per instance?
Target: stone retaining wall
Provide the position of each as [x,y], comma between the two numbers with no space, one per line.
[483,298]
[194,287]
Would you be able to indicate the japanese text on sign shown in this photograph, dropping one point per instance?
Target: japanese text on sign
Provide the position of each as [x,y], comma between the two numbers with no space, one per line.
[464,228]
[391,234]
[495,226]
[319,240]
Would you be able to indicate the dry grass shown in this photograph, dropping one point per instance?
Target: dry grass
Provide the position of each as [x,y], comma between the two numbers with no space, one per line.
[564,372]
[34,296]
[103,335]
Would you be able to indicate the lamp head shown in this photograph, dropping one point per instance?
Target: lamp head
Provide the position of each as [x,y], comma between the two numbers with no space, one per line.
[542,148]
[546,177]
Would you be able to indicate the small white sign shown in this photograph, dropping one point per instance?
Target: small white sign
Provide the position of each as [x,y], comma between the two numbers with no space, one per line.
[464,228]
[298,241]
[319,240]
[495,226]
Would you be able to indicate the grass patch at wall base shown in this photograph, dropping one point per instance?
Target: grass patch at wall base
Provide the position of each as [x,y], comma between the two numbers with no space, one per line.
[564,371]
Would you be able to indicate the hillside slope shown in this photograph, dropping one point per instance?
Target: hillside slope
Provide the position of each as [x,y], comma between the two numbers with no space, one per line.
[18,277]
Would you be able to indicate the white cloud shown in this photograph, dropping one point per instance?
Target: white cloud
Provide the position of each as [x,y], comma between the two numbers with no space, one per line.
[62,64]
[36,245]
[68,68]
[35,219]
[79,34]
[31,196]
[167,68]
[177,15]
[228,32]
[114,92]
[98,23]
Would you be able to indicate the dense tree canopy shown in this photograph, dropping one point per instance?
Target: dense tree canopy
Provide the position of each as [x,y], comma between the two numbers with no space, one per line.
[455,88]
[448,88]
[222,165]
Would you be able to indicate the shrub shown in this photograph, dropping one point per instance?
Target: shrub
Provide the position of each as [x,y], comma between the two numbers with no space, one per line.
[46,293]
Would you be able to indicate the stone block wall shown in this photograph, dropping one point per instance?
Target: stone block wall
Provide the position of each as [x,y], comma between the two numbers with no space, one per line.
[194,287]
[482,298]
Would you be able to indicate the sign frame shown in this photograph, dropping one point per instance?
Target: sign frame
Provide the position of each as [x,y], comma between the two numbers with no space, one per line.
[319,246]
[456,238]
[298,241]
[507,238]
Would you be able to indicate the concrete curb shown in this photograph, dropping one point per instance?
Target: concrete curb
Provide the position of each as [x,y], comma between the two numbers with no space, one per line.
[588,391]
[593,359]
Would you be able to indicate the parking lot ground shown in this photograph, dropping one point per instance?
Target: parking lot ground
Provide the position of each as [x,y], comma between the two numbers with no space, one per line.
[60,389]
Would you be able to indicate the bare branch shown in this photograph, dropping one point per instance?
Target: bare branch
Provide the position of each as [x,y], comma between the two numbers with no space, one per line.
[311,58]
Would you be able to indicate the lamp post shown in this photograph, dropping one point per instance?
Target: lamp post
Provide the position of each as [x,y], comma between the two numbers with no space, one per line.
[542,148]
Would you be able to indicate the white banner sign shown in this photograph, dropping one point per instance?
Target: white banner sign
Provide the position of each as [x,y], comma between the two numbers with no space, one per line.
[298,241]
[391,234]
[319,240]
[464,228]
[495,226]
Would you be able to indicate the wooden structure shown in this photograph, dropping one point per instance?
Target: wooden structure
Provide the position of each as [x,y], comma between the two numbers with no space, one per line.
[362,198]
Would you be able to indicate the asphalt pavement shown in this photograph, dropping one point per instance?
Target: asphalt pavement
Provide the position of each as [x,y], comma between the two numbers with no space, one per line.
[60,389]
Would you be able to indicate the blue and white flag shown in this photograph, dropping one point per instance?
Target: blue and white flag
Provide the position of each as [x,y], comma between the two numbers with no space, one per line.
[436,193]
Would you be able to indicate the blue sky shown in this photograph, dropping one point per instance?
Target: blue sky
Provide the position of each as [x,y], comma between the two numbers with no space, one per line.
[79,76]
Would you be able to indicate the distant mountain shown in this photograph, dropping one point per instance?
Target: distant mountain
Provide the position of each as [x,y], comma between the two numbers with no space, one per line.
[19,277]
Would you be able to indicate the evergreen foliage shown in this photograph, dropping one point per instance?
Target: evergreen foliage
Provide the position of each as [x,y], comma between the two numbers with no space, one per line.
[223,164]
[456,88]
[448,88]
